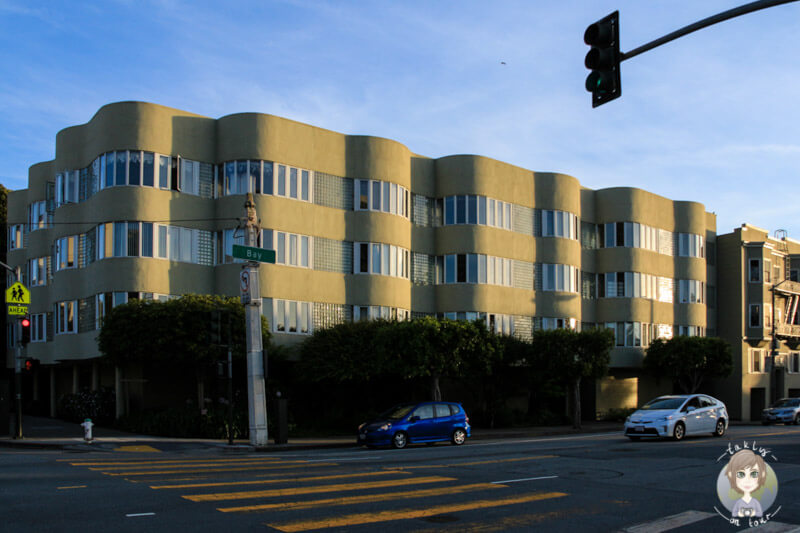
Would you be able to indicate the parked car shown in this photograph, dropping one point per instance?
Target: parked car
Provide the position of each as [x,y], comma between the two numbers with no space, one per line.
[417,422]
[786,410]
[678,416]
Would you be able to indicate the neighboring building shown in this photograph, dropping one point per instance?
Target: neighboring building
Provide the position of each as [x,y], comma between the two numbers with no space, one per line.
[759,289]
[143,202]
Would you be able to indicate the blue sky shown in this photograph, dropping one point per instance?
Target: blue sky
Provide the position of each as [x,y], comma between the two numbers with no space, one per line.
[711,117]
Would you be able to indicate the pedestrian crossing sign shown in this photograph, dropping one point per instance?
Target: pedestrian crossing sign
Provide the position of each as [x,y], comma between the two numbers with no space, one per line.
[18,294]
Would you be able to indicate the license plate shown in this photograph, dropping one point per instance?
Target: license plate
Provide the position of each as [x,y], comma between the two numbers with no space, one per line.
[638,428]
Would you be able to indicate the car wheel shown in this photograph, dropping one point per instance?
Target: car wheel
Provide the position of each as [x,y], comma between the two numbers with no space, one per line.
[400,440]
[679,432]
[459,436]
[633,438]
[719,430]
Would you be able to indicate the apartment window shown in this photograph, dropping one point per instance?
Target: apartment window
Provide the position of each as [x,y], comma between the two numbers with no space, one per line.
[39,327]
[767,271]
[66,248]
[794,274]
[291,249]
[559,323]
[690,291]
[563,278]
[757,365]
[383,259]
[67,317]
[291,317]
[15,233]
[793,362]
[754,271]
[754,315]
[383,196]
[559,224]
[37,216]
[37,271]
[474,209]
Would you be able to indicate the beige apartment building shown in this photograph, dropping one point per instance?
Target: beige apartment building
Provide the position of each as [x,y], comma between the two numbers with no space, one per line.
[143,201]
[759,280]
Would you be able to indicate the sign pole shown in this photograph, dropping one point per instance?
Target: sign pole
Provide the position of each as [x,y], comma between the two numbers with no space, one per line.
[251,297]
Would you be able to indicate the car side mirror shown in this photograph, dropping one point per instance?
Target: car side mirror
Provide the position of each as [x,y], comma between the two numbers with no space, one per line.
[413,419]
[689,409]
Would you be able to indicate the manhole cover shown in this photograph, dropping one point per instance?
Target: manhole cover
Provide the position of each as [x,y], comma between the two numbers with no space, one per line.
[441,518]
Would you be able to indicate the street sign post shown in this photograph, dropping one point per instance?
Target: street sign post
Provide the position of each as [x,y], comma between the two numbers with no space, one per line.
[251,253]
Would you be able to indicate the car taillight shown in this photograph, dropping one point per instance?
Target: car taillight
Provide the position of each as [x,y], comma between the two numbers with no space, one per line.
[466,418]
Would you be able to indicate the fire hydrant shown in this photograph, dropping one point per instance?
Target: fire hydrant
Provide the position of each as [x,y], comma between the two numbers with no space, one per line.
[87,430]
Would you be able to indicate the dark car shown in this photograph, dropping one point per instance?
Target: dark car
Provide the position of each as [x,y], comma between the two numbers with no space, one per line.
[417,422]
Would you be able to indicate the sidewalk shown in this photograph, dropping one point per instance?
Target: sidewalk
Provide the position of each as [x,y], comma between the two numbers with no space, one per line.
[40,432]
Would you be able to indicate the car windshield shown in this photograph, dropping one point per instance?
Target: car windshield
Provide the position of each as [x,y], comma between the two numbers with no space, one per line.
[663,403]
[397,412]
[787,402]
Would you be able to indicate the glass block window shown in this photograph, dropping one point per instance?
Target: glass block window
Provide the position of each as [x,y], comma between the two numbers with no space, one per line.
[523,218]
[333,191]
[327,315]
[522,275]
[423,269]
[332,255]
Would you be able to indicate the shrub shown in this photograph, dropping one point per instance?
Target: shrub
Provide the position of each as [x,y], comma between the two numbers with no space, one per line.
[616,414]
[99,405]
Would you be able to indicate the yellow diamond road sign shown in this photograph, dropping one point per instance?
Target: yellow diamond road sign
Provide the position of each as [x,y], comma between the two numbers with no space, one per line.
[18,294]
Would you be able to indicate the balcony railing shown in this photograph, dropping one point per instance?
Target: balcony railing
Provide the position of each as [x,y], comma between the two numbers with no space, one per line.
[787,287]
[787,330]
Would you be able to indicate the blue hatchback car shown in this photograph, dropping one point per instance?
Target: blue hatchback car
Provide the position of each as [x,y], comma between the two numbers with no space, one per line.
[417,422]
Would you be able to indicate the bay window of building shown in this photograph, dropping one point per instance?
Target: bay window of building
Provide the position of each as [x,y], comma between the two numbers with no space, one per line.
[373,195]
[15,236]
[39,327]
[362,313]
[561,278]
[549,323]
[382,259]
[754,316]
[496,322]
[478,268]
[290,249]
[289,316]
[290,182]
[37,216]
[66,252]
[691,331]
[37,272]
[66,317]
[559,224]
[690,245]
[638,334]
[690,291]
[634,285]
[475,209]
[629,235]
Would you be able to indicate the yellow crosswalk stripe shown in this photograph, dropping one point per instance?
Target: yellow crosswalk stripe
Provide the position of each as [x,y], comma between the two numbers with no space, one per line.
[283,480]
[130,462]
[136,448]
[368,498]
[402,514]
[490,461]
[135,466]
[208,470]
[313,490]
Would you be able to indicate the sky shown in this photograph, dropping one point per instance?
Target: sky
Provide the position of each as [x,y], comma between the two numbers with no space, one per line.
[711,117]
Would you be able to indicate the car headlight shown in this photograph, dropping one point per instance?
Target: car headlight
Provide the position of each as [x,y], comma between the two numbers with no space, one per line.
[385,427]
[627,419]
[362,426]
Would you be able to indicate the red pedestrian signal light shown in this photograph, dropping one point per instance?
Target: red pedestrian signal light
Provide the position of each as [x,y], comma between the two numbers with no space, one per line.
[25,325]
[28,365]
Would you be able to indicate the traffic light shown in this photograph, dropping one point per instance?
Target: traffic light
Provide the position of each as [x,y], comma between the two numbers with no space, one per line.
[603,59]
[25,324]
[31,364]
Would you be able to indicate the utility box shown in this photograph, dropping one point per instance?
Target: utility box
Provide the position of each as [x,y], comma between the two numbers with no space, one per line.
[280,410]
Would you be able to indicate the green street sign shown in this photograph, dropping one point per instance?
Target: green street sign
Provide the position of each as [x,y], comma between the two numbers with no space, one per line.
[251,253]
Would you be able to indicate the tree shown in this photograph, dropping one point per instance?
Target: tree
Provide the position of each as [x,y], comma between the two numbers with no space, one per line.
[573,356]
[689,361]
[171,333]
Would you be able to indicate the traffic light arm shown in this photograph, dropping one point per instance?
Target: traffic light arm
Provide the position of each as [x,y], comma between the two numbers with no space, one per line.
[720,17]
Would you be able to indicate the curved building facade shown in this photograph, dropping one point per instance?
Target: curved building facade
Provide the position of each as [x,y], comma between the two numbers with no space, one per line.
[143,201]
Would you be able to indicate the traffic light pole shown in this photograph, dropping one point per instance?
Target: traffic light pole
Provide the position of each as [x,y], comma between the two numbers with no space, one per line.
[17,365]
[256,389]
[725,15]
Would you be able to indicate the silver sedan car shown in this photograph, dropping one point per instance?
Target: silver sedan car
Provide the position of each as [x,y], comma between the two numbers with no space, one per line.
[678,416]
[786,411]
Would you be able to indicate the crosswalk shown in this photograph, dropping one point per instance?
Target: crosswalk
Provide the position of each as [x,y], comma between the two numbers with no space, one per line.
[302,495]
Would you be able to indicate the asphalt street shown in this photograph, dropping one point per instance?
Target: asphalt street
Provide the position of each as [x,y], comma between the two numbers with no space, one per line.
[597,482]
